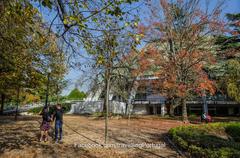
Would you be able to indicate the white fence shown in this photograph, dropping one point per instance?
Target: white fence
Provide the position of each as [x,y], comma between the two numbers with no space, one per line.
[90,107]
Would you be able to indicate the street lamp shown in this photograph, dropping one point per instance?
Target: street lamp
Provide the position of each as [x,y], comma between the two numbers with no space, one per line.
[205,106]
[47,90]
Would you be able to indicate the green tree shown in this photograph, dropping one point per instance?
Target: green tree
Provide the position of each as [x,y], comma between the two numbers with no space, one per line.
[26,51]
[228,70]
[75,94]
[16,28]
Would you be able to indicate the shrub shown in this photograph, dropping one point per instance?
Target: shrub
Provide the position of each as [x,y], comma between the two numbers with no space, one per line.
[65,106]
[193,115]
[234,132]
[200,141]
[35,110]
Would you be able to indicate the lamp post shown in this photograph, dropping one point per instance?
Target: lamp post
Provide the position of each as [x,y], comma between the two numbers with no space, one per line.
[205,106]
[47,90]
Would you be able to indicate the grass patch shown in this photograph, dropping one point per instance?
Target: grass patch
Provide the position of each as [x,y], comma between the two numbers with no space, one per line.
[215,140]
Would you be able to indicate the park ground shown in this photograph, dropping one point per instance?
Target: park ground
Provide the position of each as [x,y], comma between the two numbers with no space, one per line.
[20,138]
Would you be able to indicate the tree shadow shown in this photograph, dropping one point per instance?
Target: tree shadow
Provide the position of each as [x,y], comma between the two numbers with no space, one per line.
[22,137]
[118,138]
[11,118]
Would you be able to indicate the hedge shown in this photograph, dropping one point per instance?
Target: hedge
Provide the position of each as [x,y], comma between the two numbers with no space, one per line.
[66,108]
[204,140]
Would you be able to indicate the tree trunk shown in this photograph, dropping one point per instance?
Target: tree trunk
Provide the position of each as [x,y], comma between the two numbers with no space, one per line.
[47,90]
[172,107]
[184,110]
[131,96]
[2,103]
[129,112]
[105,92]
[58,98]
[171,110]
[126,109]
[18,100]
[106,102]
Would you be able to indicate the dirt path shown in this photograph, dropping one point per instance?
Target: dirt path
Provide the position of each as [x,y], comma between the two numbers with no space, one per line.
[20,139]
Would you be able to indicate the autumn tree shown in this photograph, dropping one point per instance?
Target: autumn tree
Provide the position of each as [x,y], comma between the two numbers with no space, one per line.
[125,81]
[107,50]
[181,41]
[75,20]
[88,25]
[109,69]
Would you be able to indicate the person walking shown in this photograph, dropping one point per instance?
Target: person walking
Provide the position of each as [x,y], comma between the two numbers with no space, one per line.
[45,126]
[58,117]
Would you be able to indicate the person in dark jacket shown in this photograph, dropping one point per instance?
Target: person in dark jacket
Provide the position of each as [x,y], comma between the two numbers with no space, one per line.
[58,117]
[45,126]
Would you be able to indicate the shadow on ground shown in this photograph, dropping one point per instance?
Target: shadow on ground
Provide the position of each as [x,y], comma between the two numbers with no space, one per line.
[20,139]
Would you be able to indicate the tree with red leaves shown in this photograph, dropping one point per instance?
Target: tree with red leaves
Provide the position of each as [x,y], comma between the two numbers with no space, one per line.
[181,43]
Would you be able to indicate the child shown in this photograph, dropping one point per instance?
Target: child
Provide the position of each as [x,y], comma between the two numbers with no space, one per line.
[58,117]
[45,126]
